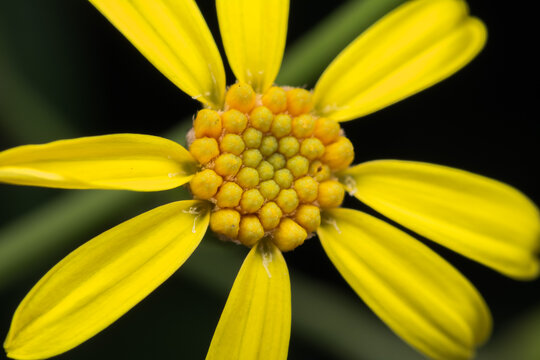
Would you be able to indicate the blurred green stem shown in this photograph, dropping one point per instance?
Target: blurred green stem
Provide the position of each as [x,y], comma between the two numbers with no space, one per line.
[52,227]
[307,58]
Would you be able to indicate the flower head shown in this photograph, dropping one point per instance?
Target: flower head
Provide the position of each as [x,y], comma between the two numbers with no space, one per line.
[268,167]
[268,164]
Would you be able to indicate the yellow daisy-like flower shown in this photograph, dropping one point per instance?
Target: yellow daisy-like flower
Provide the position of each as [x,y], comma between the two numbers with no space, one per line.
[268,167]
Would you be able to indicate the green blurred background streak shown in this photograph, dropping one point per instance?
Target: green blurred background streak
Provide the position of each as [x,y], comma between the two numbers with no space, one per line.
[66,72]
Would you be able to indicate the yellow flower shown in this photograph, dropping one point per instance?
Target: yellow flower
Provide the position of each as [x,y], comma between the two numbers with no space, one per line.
[268,166]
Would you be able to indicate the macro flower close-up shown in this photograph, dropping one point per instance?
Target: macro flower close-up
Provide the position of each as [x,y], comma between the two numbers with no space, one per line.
[268,166]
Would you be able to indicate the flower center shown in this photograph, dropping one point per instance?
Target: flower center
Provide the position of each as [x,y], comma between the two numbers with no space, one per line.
[268,163]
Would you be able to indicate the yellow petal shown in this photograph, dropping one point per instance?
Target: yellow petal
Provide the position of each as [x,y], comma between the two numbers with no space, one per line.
[415,46]
[414,291]
[104,278]
[481,218]
[256,321]
[172,35]
[254,33]
[122,161]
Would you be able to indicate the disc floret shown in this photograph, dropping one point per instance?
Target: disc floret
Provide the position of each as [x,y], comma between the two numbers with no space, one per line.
[267,163]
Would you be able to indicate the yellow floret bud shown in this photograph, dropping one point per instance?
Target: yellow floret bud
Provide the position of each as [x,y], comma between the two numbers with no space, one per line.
[251,230]
[339,155]
[227,164]
[303,126]
[266,171]
[252,138]
[283,178]
[270,215]
[289,146]
[306,188]
[234,121]
[252,158]
[240,97]
[204,150]
[251,201]
[319,171]
[247,177]
[268,146]
[269,189]
[261,118]
[205,184]
[282,125]
[331,194]
[268,165]
[275,99]
[229,195]
[289,235]
[299,101]
[287,200]
[326,130]
[298,166]
[309,217]
[232,143]
[278,161]
[312,148]
[225,222]
[207,123]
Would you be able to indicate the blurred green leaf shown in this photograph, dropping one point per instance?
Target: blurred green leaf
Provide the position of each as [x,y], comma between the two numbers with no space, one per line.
[520,340]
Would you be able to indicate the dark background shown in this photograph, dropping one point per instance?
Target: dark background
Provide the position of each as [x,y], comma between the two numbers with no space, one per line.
[79,68]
